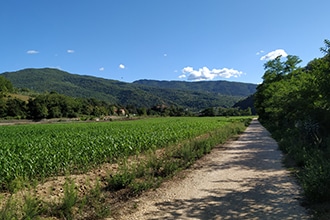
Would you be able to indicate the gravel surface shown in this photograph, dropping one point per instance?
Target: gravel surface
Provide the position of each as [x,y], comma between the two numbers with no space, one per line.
[243,179]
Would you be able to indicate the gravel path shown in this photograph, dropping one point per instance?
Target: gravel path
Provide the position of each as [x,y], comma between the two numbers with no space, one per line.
[243,179]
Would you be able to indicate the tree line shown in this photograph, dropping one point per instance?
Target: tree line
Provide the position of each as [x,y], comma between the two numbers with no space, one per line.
[220,111]
[54,105]
[297,97]
[294,104]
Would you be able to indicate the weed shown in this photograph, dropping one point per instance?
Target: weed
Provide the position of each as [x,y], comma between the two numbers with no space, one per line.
[65,208]
[137,187]
[139,169]
[170,167]
[154,165]
[120,180]
[315,179]
[94,204]
[9,210]
[17,184]
[32,208]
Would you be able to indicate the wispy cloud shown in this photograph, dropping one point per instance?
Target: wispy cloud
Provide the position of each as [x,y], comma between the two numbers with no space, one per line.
[121,66]
[206,74]
[70,51]
[260,52]
[101,69]
[273,54]
[55,67]
[32,52]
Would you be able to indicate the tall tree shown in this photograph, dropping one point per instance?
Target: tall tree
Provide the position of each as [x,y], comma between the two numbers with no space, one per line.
[5,86]
[272,91]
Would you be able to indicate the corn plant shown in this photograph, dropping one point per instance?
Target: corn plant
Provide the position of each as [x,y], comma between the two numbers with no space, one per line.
[37,151]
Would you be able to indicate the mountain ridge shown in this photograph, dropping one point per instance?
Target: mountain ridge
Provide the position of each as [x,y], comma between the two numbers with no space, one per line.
[205,86]
[140,93]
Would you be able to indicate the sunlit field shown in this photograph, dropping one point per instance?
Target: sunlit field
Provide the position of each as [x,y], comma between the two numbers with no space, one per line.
[43,150]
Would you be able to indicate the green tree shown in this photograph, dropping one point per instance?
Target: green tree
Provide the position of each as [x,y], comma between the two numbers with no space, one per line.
[272,89]
[38,107]
[5,86]
[3,108]
[142,111]
[294,103]
[16,108]
[319,90]
[326,48]
[208,112]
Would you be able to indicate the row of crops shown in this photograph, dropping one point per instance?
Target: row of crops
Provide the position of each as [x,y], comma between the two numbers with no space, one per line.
[42,150]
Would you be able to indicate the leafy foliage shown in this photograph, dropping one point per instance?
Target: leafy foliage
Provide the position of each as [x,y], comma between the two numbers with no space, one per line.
[294,102]
[5,86]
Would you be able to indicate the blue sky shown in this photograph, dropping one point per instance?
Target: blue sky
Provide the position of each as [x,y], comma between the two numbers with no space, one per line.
[188,40]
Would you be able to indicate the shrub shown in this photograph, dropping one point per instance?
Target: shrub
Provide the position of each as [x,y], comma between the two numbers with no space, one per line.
[120,180]
[315,178]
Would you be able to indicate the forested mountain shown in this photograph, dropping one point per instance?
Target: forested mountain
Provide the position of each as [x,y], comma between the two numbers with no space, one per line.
[246,103]
[218,87]
[144,93]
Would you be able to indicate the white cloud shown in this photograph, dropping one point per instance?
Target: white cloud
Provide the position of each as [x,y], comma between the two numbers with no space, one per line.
[260,52]
[101,69]
[273,54]
[32,52]
[121,66]
[207,74]
[55,67]
[70,51]
[187,69]
[165,54]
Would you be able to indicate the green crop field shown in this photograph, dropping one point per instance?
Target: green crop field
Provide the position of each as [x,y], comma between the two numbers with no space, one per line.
[42,150]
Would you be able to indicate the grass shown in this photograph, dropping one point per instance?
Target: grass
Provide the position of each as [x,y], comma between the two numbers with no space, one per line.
[69,200]
[22,207]
[19,96]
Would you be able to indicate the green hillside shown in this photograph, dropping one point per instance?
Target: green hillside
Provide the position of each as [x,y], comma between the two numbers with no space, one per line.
[217,87]
[143,93]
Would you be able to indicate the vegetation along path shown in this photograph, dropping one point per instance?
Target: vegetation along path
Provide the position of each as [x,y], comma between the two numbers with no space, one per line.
[244,179]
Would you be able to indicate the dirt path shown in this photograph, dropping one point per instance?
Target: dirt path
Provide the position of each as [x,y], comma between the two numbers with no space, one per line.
[246,180]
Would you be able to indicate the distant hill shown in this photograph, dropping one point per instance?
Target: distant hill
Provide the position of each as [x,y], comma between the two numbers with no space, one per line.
[246,103]
[218,87]
[142,93]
